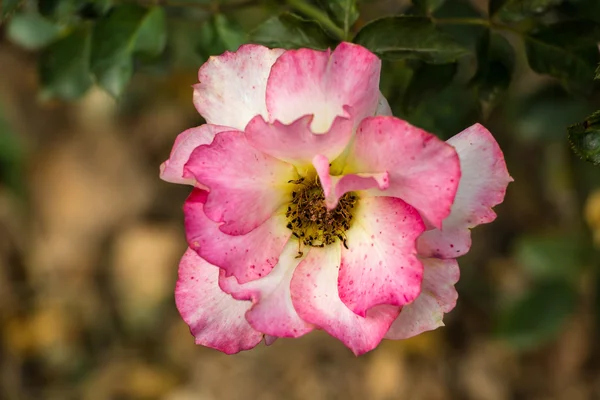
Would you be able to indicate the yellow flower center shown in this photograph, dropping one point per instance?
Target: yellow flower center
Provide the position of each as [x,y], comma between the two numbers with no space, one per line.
[310,220]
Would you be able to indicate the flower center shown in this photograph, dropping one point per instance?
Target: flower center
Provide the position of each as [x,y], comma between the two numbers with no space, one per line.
[310,220]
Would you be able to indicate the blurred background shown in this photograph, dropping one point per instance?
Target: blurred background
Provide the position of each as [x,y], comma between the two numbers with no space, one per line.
[90,238]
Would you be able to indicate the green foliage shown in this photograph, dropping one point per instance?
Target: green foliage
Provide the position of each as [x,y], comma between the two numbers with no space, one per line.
[567,51]
[343,12]
[290,31]
[8,7]
[538,316]
[126,31]
[585,138]
[32,31]
[517,10]
[64,65]
[428,6]
[427,79]
[409,37]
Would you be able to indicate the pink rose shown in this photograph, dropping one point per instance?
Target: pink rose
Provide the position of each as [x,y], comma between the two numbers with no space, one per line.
[313,207]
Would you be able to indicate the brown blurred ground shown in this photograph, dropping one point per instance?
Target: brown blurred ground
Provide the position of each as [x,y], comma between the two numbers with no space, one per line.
[88,262]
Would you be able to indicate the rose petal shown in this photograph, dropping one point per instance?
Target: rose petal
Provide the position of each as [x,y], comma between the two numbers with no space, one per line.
[315,297]
[380,265]
[423,170]
[383,107]
[438,296]
[215,318]
[273,312]
[247,257]
[172,169]
[296,143]
[246,186]
[334,187]
[310,82]
[233,85]
[482,186]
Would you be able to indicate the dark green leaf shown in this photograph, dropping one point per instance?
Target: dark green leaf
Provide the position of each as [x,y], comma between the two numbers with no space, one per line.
[32,31]
[231,35]
[557,256]
[291,32]
[495,64]
[64,65]
[343,12]
[427,79]
[597,72]
[409,37]
[567,51]
[516,10]
[428,6]
[126,31]
[9,6]
[538,316]
[585,138]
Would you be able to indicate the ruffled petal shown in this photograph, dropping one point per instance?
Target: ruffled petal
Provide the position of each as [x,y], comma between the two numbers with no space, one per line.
[172,169]
[233,85]
[423,170]
[438,296]
[215,318]
[482,186]
[315,297]
[380,265]
[273,312]
[246,186]
[247,257]
[296,143]
[334,187]
[310,82]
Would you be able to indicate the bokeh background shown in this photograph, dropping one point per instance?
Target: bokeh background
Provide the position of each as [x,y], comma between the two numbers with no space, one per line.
[90,238]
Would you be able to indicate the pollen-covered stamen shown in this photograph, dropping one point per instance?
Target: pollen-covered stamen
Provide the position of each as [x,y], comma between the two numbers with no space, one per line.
[310,220]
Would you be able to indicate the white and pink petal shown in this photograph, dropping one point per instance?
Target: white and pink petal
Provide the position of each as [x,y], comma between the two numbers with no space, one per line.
[438,297]
[320,83]
[315,296]
[216,319]
[380,265]
[247,257]
[246,186]
[423,170]
[482,186]
[233,85]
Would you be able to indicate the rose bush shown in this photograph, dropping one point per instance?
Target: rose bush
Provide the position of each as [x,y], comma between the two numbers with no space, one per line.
[314,208]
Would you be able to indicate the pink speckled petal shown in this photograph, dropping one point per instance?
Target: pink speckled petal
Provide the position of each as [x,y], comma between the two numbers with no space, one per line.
[482,186]
[320,83]
[215,318]
[172,169]
[273,312]
[380,265]
[247,257]
[233,86]
[438,296]
[315,296]
[296,143]
[246,186]
[334,187]
[423,170]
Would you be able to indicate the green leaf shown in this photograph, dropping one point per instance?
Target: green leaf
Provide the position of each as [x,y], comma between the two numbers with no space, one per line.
[32,31]
[428,6]
[289,31]
[585,138]
[126,31]
[9,6]
[427,80]
[567,51]
[343,12]
[556,256]
[597,72]
[517,10]
[64,65]
[231,35]
[409,37]
[495,65]
[537,317]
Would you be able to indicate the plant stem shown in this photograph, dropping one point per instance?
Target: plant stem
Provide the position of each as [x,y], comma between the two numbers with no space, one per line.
[319,16]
